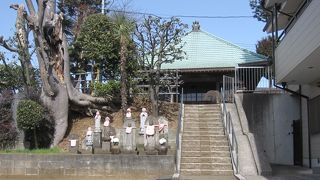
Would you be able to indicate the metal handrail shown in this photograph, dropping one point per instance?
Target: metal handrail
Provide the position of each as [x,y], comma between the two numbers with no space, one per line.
[179,134]
[229,130]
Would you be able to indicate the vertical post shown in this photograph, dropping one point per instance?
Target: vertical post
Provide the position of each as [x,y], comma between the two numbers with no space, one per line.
[177,85]
[223,87]
[273,42]
[275,12]
[270,78]
[235,77]
[102,6]
[233,91]
[182,96]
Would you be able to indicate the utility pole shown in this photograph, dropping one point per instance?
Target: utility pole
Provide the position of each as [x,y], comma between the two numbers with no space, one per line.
[102,6]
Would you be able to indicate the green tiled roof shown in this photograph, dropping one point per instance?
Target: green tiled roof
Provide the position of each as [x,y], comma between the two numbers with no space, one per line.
[204,50]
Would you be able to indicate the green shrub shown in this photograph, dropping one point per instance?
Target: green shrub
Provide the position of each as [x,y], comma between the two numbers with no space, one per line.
[110,88]
[29,114]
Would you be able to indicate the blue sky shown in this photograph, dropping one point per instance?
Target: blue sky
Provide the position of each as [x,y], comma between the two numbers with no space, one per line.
[243,32]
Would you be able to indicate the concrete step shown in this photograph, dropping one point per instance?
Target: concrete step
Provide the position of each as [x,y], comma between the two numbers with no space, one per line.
[197,106]
[205,142]
[205,172]
[205,160]
[216,166]
[203,115]
[203,120]
[205,148]
[200,118]
[205,137]
[208,129]
[204,125]
[193,153]
[204,134]
[197,132]
[201,111]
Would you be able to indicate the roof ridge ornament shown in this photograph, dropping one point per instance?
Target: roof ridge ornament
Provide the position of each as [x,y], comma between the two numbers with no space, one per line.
[196,26]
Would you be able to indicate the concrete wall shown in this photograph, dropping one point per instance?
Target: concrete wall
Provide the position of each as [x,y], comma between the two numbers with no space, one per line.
[313,92]
[270,119]
[315,149]
[118,166]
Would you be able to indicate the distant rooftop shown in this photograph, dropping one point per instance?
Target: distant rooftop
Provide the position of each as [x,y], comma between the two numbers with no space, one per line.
[204,50]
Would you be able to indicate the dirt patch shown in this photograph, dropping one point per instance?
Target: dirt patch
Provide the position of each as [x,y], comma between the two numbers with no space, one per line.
[79,128]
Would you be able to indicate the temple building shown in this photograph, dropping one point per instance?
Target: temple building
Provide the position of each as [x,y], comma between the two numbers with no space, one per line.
[207,59]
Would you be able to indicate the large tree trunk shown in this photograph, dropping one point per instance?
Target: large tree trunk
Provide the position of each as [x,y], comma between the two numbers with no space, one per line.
[58,92]
[154,101]
[59,107]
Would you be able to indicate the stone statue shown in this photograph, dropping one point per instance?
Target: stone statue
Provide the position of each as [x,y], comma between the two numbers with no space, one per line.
[97,122]
[106,122]
[108,130]
[128,114]
[143,117]
[129,136]
[89,139]
[150,136]
[163,127]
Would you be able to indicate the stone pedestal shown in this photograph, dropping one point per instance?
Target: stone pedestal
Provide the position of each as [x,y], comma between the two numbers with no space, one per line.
[97,139]
[163,149]
[150,148]
[87,150]
[115,149]
[106,146]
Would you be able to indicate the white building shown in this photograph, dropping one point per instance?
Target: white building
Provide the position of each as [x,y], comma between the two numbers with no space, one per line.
[295,25]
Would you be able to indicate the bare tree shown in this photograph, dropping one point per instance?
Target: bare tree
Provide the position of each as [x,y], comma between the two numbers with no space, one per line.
[158,41]
[21,47]
[58,93]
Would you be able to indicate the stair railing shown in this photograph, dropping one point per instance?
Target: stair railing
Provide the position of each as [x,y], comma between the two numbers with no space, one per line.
[179,134]
[227,96]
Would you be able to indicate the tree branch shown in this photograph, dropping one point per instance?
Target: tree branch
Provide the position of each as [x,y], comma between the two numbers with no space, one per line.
[41,8]
[30,6]
[4,44]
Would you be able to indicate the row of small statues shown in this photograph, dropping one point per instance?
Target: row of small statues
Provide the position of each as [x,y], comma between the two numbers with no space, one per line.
[154,131]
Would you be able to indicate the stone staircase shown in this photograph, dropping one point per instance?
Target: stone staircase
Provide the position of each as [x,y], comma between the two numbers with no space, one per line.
[205,149]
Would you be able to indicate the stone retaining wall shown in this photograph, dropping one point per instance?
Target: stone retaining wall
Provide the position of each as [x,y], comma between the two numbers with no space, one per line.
[86,165]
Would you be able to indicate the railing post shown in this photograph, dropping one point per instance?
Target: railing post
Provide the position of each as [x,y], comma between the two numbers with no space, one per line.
[235,79]
[233,90]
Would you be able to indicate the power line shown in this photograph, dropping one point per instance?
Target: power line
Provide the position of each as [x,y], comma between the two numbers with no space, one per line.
[214,17]
[181,16]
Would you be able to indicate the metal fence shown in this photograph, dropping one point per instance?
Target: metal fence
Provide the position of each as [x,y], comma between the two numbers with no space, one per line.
[85,82]
[253,79]
[228,89]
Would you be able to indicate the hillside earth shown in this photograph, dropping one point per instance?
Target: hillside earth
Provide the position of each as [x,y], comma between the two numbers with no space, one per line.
[78,124]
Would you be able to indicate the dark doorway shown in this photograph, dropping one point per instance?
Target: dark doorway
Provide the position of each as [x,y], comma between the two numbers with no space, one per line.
[297,142]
